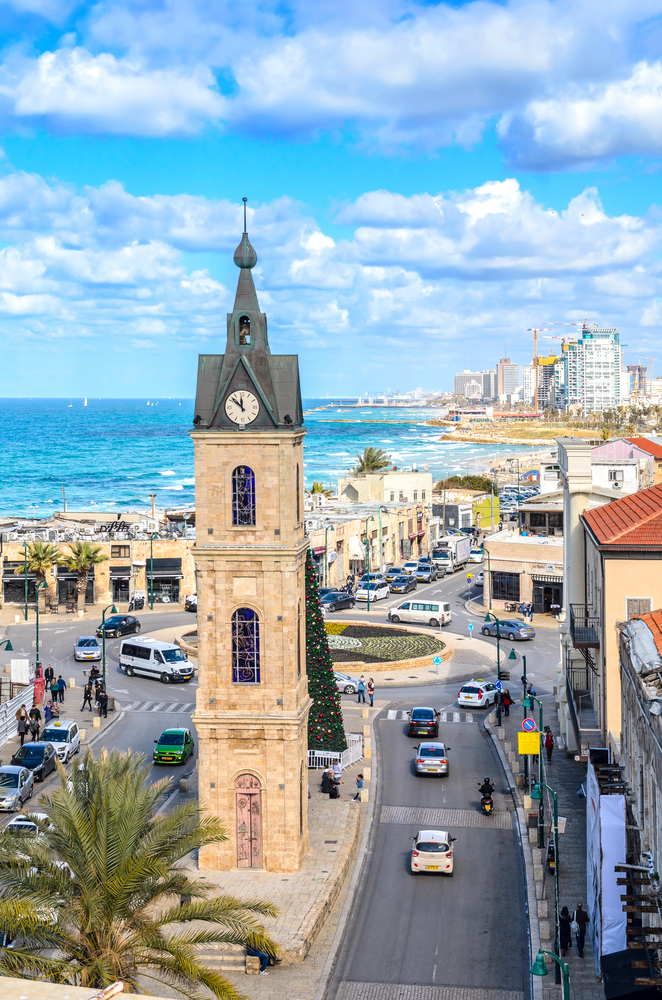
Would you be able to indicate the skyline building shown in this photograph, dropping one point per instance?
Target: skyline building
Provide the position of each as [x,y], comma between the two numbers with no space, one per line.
[593,375]
[508,381]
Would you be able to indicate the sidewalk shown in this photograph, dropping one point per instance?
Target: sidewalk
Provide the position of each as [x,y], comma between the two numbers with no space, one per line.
[564,775]
[8,613]
[539,621]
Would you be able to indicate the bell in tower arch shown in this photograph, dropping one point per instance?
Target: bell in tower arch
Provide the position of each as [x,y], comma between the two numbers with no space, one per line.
[244,330]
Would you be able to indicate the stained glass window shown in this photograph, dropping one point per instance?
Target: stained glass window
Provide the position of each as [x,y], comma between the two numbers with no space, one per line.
[243,495]
[245,647]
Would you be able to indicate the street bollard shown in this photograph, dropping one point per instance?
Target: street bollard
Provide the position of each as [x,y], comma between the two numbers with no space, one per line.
[96,722]
[72,682]
[365,712]
[543,909]
[501,732]
[507,747]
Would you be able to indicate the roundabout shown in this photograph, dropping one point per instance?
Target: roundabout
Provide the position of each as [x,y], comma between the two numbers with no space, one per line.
[384,647]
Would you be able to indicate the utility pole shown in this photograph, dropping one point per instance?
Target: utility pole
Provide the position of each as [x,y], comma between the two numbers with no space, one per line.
[152,495]
[443,518]
[64,501]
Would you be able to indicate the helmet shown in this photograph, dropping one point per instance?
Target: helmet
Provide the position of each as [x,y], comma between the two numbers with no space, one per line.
[487,779]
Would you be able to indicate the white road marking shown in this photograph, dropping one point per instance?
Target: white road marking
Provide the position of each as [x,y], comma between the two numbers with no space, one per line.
[157,708]
[392,714]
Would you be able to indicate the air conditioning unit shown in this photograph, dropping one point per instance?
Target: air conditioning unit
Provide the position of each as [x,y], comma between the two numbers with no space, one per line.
[617,486]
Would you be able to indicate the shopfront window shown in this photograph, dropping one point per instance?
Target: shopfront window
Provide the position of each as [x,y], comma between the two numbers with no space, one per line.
[505,586]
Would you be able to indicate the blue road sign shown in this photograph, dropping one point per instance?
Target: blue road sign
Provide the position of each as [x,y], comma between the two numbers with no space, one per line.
[437,661]
[471,626]
[499,686]
[529,726]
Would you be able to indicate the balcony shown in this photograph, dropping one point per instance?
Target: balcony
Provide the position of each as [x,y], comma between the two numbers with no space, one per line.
[584,627]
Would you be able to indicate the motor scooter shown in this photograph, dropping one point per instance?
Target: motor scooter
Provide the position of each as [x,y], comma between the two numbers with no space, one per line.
[486,803]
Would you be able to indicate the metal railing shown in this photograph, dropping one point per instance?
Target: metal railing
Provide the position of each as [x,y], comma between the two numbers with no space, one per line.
[584,627]
[8,720]
[325,758]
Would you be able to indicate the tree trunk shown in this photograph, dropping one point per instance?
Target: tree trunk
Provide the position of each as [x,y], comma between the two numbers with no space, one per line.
[81,587]
[41,594]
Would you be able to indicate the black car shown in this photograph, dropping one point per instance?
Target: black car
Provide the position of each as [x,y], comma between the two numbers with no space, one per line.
[403,584]
[118,625]
[423,722]
[37,757]
[191,603]
[335,601]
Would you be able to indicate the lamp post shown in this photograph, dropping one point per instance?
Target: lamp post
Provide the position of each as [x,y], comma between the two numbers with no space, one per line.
[42,583]
[8,647]
[379,514]
[113,611]
[539,968]
[25,552]
[489,576]
[537,794]
[526,704]
[151,571]
[327,529]
[367,547]
[491,617]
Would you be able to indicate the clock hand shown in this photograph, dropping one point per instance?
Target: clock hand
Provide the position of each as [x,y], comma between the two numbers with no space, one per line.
[238,402]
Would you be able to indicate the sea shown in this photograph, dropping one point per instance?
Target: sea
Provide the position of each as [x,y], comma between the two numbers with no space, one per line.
[110,454]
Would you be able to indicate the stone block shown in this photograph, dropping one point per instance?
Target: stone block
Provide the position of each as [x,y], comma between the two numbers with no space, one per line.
[545,930]
[519,780]
[252,965]
[72,682]
[96,722]
[366,730]
[365,795]
[533,836]
[367,750]
[491,718]
[83,734]
[538,873]
[365,712]
[367,771]
[507,747]
[543,908]
[501,732]
[527,803]
[183,785]
[539,892]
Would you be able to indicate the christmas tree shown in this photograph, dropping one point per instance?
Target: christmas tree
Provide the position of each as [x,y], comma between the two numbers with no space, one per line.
[325,726]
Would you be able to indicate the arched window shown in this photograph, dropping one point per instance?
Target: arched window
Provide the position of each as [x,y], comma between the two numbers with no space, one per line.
[298,489]
[244,330]
[245,647]
[243,496]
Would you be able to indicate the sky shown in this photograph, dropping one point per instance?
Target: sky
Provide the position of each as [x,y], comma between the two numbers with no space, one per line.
[425,181]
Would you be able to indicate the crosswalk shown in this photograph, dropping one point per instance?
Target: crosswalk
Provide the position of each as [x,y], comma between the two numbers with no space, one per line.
[394,715]
[175,708]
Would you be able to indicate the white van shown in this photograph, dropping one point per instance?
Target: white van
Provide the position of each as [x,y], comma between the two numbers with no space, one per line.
[428,613]
[152,658]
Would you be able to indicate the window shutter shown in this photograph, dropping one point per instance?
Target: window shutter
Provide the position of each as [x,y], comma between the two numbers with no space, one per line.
[637,606]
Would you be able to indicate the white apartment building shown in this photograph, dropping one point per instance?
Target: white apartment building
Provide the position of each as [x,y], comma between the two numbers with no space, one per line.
[528,384]
[593,374]
[469,384]
[507,377]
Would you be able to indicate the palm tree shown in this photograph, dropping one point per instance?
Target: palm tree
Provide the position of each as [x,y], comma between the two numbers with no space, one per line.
[318,488]
[83,557]
[41,558]
[372,460]
[107,892]
[605,433]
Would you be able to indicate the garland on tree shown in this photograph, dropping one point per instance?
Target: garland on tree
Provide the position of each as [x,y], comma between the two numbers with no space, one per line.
[325,725]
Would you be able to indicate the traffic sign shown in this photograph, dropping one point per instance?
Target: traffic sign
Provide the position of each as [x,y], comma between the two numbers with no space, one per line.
[471,626]
[504,675]
[499,686]
[529,726]
[437,661]
[528,743]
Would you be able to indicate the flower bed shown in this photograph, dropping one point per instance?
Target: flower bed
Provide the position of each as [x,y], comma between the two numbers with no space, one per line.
[377,644]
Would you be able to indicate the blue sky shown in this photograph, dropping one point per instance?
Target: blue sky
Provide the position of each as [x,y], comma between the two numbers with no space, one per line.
[425,182]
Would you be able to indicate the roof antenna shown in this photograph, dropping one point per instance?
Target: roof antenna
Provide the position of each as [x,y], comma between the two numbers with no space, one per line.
[244,201]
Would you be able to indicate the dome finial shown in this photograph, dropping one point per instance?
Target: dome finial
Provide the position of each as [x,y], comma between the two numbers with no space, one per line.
[244,255]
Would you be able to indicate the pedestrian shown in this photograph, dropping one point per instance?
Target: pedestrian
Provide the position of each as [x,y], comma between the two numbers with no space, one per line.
[103,704]
[55,711]
[507,702]
[531,690]
[371,690]
[35,714]
[61,688]
[49,674]
[87,696]
[530,609]
[34,729]
[48,712]
[22,712]
[262,955]
[55,690]
[361,696]
[359,787]
[334,792]
[23,727]
[523,609]
[327,775]
[39,672]
[549,743]
[337,770]
[565,936]
[580,921]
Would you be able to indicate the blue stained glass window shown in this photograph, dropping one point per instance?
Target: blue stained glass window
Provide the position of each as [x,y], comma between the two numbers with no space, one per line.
[243,496]
[245,647]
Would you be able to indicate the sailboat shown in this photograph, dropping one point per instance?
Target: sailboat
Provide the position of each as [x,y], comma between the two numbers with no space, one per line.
[85,403]
[70,404]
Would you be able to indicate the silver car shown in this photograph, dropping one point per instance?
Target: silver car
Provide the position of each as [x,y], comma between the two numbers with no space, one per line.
[348,685]
[87,647]
[16,786]
[431,758]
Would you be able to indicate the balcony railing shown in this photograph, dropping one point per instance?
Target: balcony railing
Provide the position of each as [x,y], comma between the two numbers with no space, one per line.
[584,627]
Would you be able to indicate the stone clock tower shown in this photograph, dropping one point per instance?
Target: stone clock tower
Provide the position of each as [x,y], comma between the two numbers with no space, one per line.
[252,703]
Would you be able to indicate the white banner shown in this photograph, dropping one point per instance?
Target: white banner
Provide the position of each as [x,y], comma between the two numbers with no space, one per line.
[612,837]
[593,867]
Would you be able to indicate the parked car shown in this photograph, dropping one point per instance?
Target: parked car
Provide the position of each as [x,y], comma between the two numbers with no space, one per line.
[392,572]
[163,661]
[476,556]
[378,591]
[410,567]
[25,824]
[65,737]
[191,603]
[335,601]
[432,851]
[480,579]
[348,685]
[403,584]
[373,577]
[118,625]
[86,647]
[16,786]
[38,757]
[431,758]
[432,613]
[423,722]
[510,629]
[477,694]
[426,572]
[174,746]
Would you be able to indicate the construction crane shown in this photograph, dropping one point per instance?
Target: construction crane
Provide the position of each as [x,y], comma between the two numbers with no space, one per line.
[544,329]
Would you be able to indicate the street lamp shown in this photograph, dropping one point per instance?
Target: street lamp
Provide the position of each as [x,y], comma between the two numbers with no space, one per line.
[489,576]
[113,611]
[379,513]
[8,647]
[151,570]
[42,583]
[540,969]
[526,704]
[25,552]
[367,546]
[491,617]
[537,795]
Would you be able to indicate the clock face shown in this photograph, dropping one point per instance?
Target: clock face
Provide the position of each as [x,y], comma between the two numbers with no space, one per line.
[242,407]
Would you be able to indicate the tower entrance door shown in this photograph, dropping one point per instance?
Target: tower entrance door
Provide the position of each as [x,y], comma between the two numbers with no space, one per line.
[248,812]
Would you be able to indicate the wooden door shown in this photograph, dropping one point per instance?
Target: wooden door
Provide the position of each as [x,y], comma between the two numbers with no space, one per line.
[248,811]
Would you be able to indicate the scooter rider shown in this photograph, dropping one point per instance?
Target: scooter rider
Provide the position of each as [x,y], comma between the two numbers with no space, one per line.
[486,788]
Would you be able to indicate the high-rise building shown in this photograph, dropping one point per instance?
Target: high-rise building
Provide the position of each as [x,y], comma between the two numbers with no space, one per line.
[489,384]
[469,384]
[507,377]
[637,380]
[593,370]
[528,385]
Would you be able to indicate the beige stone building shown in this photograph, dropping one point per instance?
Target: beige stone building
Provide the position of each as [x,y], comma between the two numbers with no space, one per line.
[405,486]
[252,701]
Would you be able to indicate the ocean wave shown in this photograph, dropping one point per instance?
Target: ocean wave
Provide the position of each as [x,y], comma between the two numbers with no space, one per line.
[167,472]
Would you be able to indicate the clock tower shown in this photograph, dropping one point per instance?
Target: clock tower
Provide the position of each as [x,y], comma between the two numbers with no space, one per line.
[252,701]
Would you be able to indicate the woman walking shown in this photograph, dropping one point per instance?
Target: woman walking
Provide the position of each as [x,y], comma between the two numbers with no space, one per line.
[23,727]
[565,934]
[371,690]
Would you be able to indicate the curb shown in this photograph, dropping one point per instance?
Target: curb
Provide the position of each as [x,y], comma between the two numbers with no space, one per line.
[113,722]
[535,982]
[343,922]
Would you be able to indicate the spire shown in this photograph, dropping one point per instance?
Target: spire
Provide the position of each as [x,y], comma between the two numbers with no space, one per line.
[244,255]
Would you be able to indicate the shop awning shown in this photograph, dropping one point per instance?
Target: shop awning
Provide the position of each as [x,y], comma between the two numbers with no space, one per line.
[319,550]
[413,537]
[163,574]
[356,548]
[120,571]
[421,534]
[547,579]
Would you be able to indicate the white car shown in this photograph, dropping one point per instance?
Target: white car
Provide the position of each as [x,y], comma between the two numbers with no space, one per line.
[65,737]
[432,851]
[477,693]
[410,567]
[480,579]
[25,823]
[378,592]
[476,555]
[87,647]
[346,684]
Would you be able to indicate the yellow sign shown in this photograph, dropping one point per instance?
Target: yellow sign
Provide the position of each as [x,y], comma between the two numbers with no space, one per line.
[528,743]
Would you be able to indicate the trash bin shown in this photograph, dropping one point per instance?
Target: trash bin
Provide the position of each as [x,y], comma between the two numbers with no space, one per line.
[111,703]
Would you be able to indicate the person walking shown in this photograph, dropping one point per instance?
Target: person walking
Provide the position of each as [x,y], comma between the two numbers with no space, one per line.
[506,701]
[55,690]
[34,729]
[371,691]
[35,715]
[565,935]
[361,690]
[581,921]
[61,688]
[49,674]
[23,727]
[549,743]
[359,787]
[103,703]
[87,696]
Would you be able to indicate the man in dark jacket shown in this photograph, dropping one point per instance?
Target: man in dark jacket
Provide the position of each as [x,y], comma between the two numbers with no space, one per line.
[582,919]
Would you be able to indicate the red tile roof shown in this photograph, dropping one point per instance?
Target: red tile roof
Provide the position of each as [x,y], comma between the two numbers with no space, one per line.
[648,446]
[654,621]
[633,521]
